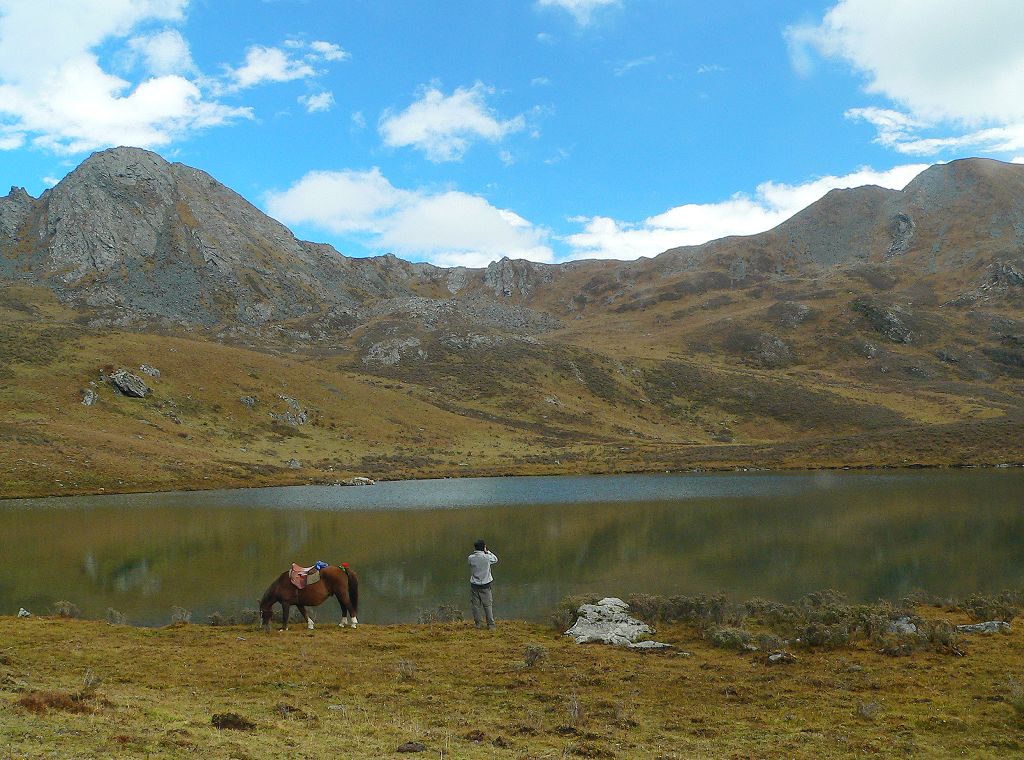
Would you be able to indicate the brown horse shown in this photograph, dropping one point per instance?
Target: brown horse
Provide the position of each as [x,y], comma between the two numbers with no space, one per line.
[340,582]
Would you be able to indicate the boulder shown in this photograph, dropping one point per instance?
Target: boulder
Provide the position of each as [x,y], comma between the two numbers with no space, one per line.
[249,401]
[989,626]
[129,385]
[23,613]
[89,397]
[608,622]
[293,414]
[902,626]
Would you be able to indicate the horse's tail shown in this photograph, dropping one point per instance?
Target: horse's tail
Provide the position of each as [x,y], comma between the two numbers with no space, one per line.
[353,588]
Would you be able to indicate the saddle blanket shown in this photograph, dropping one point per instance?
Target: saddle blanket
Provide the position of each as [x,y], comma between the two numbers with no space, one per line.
[305,576]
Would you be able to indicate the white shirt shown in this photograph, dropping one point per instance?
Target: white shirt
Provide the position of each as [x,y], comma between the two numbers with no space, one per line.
[480,567]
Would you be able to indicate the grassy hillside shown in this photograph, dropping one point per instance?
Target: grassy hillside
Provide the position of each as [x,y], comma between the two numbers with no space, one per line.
[676,384]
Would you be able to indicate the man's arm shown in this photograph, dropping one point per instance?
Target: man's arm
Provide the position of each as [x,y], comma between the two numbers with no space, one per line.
[492,557]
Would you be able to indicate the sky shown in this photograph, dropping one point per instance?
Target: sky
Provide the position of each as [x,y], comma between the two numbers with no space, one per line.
[461,131]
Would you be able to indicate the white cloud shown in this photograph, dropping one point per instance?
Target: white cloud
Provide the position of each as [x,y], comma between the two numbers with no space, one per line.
[328,51]
[449,228]
[358,120]
[318,103]
[165,52]
[56,94]
[633,64]
[582,10]
[540,82]
[268,64]
[695,223]
[442,126]
[952,69]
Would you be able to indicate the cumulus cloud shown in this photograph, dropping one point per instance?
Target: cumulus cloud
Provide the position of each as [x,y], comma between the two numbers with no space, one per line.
[268,64]
[165,52]
[443,126]
[58,96]
[695,223]
[448,228]
[951,69]
[318,103]
[581,10]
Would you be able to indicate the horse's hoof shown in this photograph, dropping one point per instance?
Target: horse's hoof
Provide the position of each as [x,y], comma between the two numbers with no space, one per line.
[309,625]
[342,625]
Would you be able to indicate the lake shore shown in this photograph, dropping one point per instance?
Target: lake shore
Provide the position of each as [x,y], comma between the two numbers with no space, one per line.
[90,688]
[286,478]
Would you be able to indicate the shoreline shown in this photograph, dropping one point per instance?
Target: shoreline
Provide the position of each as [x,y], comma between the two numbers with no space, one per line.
[504,473]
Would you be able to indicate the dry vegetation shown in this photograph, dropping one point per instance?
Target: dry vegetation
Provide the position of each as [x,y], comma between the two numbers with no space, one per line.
[85,688]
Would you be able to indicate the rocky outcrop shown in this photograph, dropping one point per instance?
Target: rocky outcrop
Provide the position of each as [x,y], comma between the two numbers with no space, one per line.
[293,413]
[508,278]
[789,313]
[249,402]
[129,385]
[147,370]
[902,231]
[890,321]
[608,622]
[990,626]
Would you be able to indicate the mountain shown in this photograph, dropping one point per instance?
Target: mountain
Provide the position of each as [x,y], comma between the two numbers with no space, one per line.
[874,327]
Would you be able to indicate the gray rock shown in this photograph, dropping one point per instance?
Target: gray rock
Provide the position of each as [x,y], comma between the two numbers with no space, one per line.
[89,397]
[902,230]
[294,463]
[890,321]
[293,414]
[147,370]
[901,625]
[411,747]
[388,353]
[648,645]
[989,626]
[129,385]
[608,622]
[781,658]
[23,613]
[249,401]
[357,481]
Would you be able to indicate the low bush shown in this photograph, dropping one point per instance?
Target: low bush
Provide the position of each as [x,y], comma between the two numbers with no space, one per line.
[65,609]
[116,617]
[180,615]
[567,611]
[727,637]
[445,613]
[534,654]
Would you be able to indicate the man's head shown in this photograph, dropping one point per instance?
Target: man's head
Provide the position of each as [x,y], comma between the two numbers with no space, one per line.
[479,544]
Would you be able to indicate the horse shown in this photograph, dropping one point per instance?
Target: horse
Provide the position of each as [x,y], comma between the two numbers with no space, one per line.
[339,582]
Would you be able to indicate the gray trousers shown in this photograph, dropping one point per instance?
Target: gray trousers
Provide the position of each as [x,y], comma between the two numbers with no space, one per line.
[482,602]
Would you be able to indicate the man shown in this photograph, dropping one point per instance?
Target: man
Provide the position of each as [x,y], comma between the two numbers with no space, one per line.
[480,581]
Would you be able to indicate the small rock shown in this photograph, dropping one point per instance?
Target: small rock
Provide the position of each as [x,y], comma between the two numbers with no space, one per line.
[23,613]
[249,401]
[648,645]
[989,626]
[147,370]
[294,463]
[781,658]
[89,397]
[411,747]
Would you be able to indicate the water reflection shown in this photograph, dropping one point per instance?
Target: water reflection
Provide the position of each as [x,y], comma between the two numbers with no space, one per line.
[778,536]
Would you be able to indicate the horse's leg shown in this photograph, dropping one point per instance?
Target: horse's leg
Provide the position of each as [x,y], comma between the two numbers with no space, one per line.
[305,614]
[344,610]
[286,611]
[266,613]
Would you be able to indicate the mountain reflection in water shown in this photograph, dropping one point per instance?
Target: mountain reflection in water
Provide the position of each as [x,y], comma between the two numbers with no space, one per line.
[869,535]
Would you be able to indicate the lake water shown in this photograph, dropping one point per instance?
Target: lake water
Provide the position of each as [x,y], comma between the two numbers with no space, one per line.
[871,535]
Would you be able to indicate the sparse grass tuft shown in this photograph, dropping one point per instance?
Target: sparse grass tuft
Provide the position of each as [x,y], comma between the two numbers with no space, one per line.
[534,654]
[66,609]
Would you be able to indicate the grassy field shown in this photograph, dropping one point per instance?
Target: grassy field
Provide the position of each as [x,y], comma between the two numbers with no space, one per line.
[71,688]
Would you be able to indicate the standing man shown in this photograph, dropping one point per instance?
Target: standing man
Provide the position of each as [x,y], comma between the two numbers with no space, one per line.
[480,581]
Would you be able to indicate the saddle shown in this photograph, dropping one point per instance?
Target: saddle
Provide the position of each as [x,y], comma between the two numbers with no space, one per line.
[305,576]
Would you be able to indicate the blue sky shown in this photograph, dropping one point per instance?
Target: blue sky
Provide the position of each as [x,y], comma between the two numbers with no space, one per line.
[459,132]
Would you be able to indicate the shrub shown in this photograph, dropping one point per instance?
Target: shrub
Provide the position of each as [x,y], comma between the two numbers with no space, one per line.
[65,609]
[445,613]
[406,669]
[218,618]
[534,654]
[825,636]
[249,616]
[567,611]
[116,617]
[1003,606]
[728,637]
[180,615]
[1016,697]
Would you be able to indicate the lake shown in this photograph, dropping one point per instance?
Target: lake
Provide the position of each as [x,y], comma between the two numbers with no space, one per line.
[875,534]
